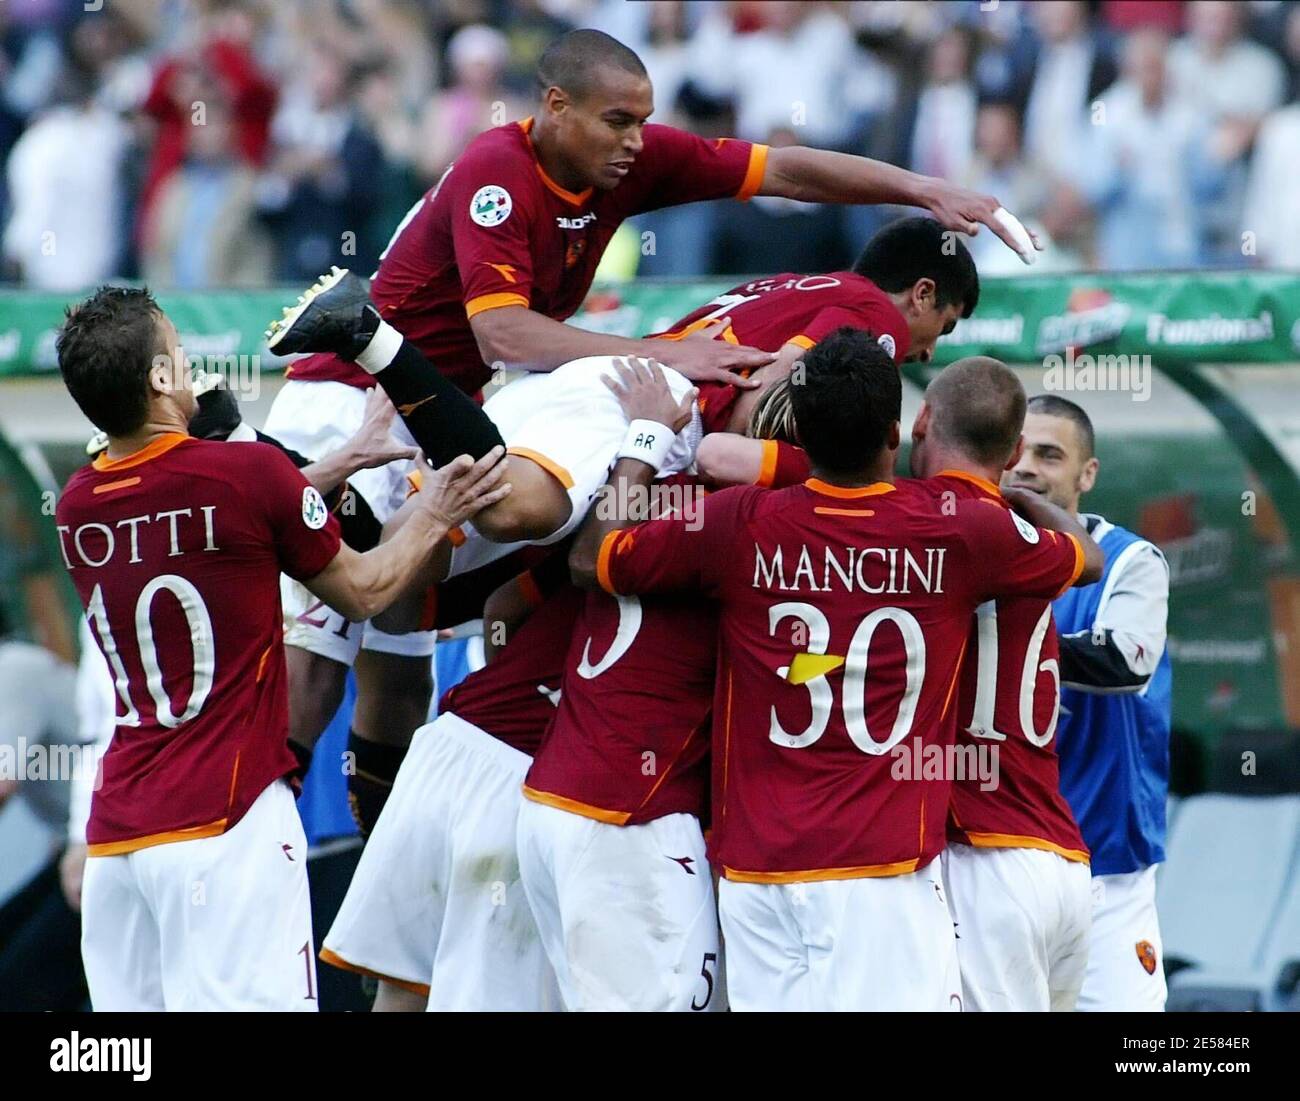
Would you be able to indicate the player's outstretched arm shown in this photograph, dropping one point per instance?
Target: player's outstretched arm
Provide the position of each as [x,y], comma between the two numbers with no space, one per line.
[362,585]
[517,337]
[820,176]
[1040,512]
[371,446]
[649,405]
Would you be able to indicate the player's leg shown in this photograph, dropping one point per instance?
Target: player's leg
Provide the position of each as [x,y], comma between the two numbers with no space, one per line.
[997,905]
[1125,954]
[336,315]
[120,945]
[1069,938]
[393,696]
[880,944]
[392,998]
[489,956]
[637,929]
[316,686]
[234,913]
[767,960]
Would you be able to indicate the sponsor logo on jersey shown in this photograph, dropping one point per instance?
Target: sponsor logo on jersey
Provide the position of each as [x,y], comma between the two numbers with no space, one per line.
[490,206]
[1026,529]
[579,222]
[1146,954]
[887,342]
[314,512]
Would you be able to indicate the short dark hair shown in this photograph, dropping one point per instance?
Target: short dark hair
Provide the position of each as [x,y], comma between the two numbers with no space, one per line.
[920,248]
[571,61]
[106,347]
[849,396]
[1052,406]
[977,405]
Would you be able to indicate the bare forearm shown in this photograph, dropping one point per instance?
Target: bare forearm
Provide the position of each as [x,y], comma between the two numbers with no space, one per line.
[333,470]
[821,176]
[608,513]
[521,339]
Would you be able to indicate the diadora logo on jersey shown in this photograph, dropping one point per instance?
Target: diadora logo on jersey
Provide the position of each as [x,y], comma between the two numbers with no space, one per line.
[575,223]
[887,342]
[314,512]
[1025,528]
[490,206]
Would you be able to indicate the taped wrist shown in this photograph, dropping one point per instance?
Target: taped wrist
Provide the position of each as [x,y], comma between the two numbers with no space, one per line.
[648,441]
[370,780]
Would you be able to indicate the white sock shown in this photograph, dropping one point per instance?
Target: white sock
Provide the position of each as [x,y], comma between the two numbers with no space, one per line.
[382,349]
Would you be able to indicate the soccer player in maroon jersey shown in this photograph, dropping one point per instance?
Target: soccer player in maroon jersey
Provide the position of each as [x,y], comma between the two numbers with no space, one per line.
[830,897]
[1016,866]
[195,893]
[611,850]
[484,271]
[435,909]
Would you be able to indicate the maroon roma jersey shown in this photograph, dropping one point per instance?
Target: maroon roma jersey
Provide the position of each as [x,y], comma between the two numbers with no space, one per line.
[496,230]
[1008,701]
[844,614]
[513,698]
[176,552]
[785,309]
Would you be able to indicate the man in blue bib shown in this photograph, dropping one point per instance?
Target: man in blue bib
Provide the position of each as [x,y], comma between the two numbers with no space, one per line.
[1113,736]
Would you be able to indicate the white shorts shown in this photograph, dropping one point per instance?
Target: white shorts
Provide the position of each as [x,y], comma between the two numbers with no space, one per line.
[216,923]
[1022,918]
[1125,942]
[315,418]
[435,904]
[626,912]
[841,944]
[571,424]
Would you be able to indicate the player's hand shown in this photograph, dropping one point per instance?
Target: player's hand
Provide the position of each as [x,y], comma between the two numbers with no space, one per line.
[372,445]
[72,870]
[457,491]
[701,357]
[643,394]
[963,210]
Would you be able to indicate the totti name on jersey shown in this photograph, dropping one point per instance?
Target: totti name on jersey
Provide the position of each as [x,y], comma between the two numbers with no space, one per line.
[95,544]
[876,570]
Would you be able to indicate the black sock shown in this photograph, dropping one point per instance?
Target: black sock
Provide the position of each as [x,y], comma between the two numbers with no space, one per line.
[444,421]
[371,778]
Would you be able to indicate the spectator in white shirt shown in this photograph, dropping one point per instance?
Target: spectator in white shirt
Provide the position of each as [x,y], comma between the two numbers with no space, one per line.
[945,110]
[1147,166]
[1070,70]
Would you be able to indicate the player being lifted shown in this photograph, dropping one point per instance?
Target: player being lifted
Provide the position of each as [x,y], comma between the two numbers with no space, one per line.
[911,284]
[1016,867]
[195,893]
[485,269]
[815,583]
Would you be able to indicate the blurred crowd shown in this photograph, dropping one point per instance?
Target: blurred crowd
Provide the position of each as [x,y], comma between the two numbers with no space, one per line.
[204,143]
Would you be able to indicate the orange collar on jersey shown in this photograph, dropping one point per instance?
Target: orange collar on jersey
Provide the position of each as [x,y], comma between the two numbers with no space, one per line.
[974,479]
[828,490]
[160,446]
[577,198]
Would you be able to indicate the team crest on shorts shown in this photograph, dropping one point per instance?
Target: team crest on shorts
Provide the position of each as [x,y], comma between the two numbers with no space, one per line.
[490,206]
[314,512]
[1146,956]
[887,342]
